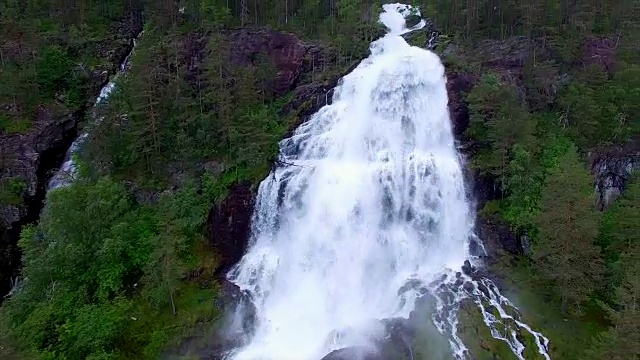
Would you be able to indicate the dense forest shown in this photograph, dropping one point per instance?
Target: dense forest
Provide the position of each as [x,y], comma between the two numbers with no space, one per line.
[119,265]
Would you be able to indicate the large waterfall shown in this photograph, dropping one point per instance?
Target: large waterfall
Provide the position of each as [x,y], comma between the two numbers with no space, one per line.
[367,207]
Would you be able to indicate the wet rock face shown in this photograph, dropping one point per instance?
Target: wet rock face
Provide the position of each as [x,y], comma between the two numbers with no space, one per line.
[229,225]
[498,237]
[354,353]
[612,169]
[395,342]
[239,316]
[28,160]
[458,85]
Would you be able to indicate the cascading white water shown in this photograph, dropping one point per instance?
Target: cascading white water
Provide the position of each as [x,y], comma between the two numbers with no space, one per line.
[67,172]
[368,207]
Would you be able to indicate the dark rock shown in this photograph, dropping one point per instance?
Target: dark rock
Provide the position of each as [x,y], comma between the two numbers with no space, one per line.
[601,52]
[29,158]
[32,157]
[240,313]
[476,248]
[229,225]
[458,85]
[467,269]
[287,53]
[193,52]
[497,236]
[309,98]
[468,286]
[483,188]
[394,341]
[412,20]
[231,331]
[612,169]
[354,353]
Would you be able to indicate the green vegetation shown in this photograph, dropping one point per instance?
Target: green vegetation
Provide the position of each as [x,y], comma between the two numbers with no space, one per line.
[477,336]
[14,126]
[103,273]
[108,266]
[568,229]
[45,52]
[532,135]
[12,190]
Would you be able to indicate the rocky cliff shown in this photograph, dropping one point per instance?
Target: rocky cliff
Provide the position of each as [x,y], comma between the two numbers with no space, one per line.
[306,71]
[30,158]
[613,168]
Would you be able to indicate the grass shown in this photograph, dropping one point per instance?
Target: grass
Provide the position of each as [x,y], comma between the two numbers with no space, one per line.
[12,191]
[14,126]
[160,330]
[477,336]
[569,336]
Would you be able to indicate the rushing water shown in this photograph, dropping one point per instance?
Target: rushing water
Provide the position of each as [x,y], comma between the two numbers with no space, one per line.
[67,172]
[368,208]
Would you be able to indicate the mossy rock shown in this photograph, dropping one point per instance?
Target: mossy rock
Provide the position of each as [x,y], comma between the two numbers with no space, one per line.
[12,191]
[476,335]
[412,20]
[428,342]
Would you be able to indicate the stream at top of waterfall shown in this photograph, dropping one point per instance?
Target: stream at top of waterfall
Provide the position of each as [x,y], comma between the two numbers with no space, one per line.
[366,213]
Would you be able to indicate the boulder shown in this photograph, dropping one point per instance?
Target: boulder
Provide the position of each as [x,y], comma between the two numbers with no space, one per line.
[613,168]
[395,341]
[497,237]
[354,353]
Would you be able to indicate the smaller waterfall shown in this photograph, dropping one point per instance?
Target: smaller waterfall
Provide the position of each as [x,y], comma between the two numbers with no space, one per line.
[68,171]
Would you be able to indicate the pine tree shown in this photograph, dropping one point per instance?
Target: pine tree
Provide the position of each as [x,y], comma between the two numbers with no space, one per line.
[498,121]
[622,340]
[565,253]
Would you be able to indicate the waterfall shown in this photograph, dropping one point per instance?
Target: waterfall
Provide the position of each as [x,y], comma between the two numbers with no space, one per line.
[68,171]
[367,209]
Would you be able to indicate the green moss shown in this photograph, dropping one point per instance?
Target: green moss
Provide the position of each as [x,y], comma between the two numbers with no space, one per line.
[569,336]
[14,126]
[491,208]
[477,336]
[156,330]
[419,38]
[12,191]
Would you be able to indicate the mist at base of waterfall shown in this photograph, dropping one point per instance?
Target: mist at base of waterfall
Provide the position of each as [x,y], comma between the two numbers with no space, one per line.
[367,210]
